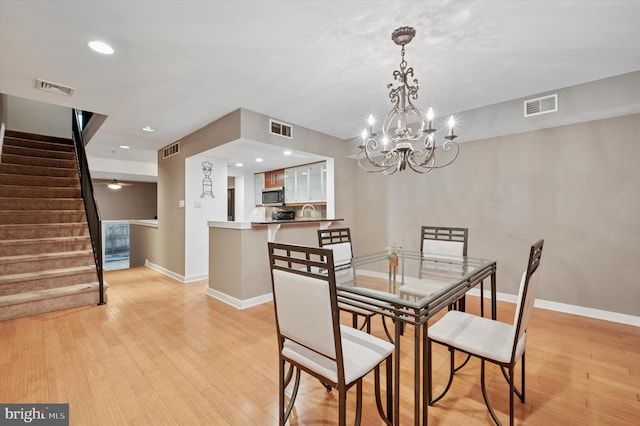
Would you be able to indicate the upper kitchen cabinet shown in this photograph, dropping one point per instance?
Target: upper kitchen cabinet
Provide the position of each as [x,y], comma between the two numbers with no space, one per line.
[274,178]
[306,184]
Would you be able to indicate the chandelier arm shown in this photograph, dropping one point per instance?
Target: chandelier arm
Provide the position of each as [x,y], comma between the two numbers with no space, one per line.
[457,151]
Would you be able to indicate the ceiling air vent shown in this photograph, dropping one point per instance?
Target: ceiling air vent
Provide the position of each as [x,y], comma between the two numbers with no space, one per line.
[541,105]
[48,86]
[280,129]
[170,150]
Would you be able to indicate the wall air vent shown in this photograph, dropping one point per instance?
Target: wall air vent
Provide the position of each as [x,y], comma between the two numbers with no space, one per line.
[170,150]
[48,86]
[280,129]
[541,105]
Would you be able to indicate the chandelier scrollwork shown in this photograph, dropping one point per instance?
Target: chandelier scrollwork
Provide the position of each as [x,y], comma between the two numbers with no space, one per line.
[407,138]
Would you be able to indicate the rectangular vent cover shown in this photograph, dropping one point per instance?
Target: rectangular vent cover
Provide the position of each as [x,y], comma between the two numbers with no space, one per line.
[48,86]
[280,129]
[170,150]
[543,105]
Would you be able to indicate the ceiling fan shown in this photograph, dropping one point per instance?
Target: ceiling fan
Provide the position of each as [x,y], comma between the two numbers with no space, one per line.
[114,184]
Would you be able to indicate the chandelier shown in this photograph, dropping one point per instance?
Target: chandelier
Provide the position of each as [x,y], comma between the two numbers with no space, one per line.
[407,138]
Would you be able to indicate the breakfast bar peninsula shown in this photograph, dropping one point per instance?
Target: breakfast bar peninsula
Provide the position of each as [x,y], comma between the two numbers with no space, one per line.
[238,258]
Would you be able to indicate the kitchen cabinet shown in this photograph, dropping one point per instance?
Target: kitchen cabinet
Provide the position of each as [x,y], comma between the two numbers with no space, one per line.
[259,187]
[306,183]
[274,178]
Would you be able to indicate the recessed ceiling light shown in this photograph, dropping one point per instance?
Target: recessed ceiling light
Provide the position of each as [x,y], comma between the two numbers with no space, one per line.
[238,164]
[259,160]
[100,47]
[125,146]
[148,129]
[287,152]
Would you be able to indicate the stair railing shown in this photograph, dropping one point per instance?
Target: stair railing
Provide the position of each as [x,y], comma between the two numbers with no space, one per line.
[90,205]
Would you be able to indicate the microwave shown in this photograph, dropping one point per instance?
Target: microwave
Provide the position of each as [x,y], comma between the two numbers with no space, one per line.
[273,196]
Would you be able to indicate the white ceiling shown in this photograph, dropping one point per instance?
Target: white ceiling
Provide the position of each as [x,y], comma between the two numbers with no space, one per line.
[178,65]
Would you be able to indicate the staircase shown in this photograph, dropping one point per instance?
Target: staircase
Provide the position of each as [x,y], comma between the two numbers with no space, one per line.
[46,257]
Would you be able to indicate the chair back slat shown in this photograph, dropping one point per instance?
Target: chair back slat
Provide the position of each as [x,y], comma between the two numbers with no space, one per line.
[305,299]
[527,292]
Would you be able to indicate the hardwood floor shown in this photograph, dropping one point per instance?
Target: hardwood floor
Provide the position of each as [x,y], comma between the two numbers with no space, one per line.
[164,353]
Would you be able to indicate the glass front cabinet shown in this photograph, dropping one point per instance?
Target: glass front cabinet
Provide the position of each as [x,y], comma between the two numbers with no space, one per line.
[305,184]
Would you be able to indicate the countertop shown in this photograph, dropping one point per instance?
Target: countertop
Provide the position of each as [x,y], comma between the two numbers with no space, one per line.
[298,220]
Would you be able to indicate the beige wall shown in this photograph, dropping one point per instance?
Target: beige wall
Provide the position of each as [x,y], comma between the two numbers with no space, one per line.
[576,186]
[171,187]
[129,202]
[143,245]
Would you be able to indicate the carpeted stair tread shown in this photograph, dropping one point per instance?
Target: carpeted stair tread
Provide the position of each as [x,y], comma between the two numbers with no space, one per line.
[15,134]
[34,144]
[41,216]
[57,240]
[40,171]
[43,230]
[37,161]
[45,294]
[30,276]
[42,152]
[44,256]
[16,190]
[45,204]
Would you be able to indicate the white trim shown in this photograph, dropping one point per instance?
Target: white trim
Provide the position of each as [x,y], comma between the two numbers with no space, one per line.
[566,308]
[194,278]
[237,303]
[164,271]
[541,304]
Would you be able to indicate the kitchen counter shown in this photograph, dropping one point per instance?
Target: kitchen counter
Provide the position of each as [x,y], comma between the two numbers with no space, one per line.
[238,258]
[297,220]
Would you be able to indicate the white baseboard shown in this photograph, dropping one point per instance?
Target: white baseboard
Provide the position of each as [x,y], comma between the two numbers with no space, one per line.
[194,278]
[237,303]
[567,308]
[164,271]
[545,304]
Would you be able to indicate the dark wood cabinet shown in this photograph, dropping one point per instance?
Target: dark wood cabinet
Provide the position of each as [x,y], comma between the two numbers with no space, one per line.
[274,178]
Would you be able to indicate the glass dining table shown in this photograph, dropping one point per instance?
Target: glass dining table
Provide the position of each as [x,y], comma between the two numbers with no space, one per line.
[408,288]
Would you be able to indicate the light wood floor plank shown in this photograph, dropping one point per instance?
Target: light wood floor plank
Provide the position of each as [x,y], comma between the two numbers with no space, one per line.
[163,353]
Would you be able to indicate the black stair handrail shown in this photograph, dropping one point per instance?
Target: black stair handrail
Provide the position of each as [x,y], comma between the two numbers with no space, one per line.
[90,205]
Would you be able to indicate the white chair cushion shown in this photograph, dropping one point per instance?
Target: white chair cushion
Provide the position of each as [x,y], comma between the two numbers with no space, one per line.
[303,308]
[341,253]
[361,353]
[421,288]
[435,248]
[477,335]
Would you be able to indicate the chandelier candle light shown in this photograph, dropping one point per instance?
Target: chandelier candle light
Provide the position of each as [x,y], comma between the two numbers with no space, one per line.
[412,142]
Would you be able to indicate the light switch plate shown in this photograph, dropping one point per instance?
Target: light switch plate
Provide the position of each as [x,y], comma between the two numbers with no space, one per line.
[181,204]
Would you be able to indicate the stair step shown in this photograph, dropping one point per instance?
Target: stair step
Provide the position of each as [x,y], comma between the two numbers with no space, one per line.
[38,161]
[25,151]
[14,134]
[67,179]
[43,230]
[10,265]
[44,245]
[52,278]
[41,216]
[35,144]
[31,204]
[22,191]
[49,300]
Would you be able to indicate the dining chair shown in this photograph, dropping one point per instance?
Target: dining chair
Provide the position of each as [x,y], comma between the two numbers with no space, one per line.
[489,340]
[437,242]
[339,240]
[310,337]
